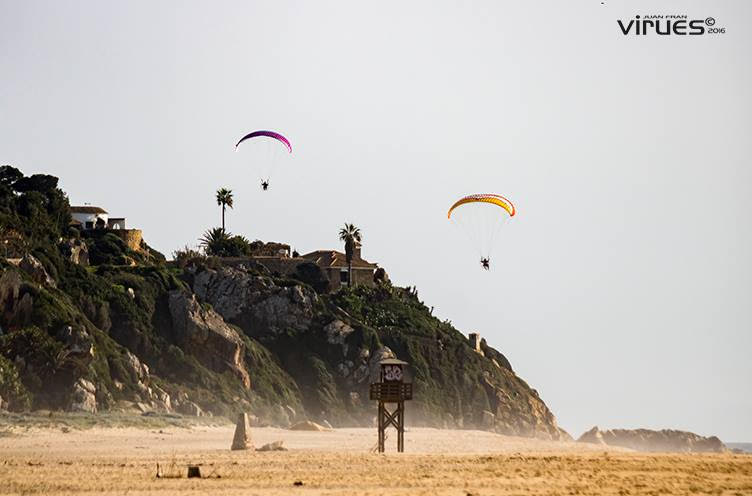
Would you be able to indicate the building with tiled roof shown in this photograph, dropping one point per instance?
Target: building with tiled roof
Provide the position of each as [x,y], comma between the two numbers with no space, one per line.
[334,264]
[87,209]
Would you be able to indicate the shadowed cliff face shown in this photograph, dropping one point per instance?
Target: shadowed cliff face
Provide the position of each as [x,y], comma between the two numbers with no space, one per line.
[198,347]
[331,345]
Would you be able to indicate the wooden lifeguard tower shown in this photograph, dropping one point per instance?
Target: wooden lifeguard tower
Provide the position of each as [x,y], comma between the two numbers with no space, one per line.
[391,388]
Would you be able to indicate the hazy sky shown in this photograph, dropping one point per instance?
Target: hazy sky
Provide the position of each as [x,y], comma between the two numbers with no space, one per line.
[621,291]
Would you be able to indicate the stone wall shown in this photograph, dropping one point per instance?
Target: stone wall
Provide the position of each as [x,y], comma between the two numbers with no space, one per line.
[285,266]
[132,237]
[360,277]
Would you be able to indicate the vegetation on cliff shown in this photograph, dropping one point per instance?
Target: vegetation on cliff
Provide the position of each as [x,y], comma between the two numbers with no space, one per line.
[129,331]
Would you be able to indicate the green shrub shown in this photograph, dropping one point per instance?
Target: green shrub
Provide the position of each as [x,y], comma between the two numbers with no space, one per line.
[311,274]
[11,388]
[219,243]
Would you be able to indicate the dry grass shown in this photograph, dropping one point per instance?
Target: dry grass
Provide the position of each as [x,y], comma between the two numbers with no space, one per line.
[42,419]
[120,461]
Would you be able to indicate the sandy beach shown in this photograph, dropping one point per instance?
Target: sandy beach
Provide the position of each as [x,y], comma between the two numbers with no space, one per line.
[341,461]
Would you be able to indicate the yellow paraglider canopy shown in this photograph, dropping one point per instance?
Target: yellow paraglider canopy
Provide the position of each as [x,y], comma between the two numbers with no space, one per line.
[484,198]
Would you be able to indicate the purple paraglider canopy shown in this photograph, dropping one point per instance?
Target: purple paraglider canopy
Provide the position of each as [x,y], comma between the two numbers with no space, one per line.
[268,134]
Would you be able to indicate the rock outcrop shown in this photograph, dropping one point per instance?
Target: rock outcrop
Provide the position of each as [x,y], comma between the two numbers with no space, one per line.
[254,302]
[83,398]
[651,440]
[518,410]
[76,251]
[204,334]
[36,270]
[16,305]
[78,344]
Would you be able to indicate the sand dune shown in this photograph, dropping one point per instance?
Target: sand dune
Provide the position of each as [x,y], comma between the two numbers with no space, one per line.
[437,462]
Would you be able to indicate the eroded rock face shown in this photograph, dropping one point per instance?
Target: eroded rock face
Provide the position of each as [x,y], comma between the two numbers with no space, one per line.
[141,370]
[76,251]
[374,369]
[203,333]
[36,271]
[336,333]
[83,397]
[488,420]
[15,307]
[78,343]
[160,399]
[149,396]
[650,440]
[254,302]
[518,410]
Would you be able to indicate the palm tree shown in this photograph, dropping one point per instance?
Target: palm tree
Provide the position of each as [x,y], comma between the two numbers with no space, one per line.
[214,241]
[224,199]
[350,235]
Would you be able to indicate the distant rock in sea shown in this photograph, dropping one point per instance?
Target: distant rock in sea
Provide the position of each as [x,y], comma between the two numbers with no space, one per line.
[650,440]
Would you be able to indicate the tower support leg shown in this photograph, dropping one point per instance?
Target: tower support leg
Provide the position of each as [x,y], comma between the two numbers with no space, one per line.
[382,414]
[401,427]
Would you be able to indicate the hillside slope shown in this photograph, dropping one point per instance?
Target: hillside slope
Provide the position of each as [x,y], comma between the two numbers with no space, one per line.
[131,332]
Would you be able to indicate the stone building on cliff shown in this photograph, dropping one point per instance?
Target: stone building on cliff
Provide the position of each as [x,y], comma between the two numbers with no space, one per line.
[277,258]
[334,264]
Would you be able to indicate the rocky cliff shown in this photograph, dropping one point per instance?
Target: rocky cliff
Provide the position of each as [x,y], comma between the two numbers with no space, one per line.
[131,332]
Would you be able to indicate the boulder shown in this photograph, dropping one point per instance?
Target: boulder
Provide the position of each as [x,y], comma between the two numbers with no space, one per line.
[160,399]
[273,446]
[307,425]
[76,251]
[204,334]
[83,397]
[36,271]
[336,333]
[190,408]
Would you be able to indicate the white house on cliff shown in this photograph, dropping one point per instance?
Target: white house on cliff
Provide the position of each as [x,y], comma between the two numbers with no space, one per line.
[90,217]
